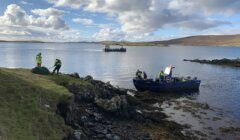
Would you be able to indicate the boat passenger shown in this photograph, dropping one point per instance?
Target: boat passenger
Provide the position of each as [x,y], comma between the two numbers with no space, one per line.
[161,76]
[139,74]
[144,75]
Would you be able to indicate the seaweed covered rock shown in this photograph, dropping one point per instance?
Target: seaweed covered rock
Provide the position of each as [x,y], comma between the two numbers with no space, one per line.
[114,104]
[40,70]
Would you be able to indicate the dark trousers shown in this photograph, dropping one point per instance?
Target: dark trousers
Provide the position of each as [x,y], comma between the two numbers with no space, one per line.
[57,68]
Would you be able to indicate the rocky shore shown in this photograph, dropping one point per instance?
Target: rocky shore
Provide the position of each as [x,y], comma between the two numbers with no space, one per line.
[71,107]
[224,61]
[102,111]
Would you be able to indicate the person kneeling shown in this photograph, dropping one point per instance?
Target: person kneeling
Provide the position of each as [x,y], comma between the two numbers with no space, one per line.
[57,66]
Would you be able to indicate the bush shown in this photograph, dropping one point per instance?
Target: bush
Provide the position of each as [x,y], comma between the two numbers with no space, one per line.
[41,70]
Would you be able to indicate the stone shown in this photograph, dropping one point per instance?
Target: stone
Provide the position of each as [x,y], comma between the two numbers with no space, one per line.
[88,78]
[75,75]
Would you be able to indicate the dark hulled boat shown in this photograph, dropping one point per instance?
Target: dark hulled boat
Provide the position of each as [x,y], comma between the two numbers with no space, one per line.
[108,49]
[115,49]
[165,86]
[167,83]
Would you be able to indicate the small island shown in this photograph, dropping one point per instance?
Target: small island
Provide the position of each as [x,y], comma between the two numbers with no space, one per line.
[224,61]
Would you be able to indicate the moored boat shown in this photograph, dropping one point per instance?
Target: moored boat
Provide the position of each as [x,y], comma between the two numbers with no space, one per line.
[168,84]
[165,86]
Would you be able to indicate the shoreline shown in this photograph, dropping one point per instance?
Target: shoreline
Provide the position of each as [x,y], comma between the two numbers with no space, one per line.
[95,109]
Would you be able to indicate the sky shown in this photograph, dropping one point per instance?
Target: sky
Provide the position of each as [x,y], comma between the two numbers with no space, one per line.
[118,20]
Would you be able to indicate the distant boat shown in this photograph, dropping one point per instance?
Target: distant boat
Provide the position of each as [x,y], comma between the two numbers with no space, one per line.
[174,84]
[108,49]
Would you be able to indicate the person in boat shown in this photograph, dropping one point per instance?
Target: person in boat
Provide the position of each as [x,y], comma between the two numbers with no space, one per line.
[107,47]
[161,76]
[144,75]
[139,74]
[39,59]
[57,66]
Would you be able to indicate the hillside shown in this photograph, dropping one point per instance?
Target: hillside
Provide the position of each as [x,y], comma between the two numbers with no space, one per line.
[204,40]
[28,104]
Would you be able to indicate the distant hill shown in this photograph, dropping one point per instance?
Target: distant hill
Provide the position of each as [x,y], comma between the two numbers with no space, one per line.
[23,41]
[206,40]
[201,40]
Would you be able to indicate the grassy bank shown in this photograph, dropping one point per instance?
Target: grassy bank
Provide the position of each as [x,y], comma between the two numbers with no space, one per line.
[28,105]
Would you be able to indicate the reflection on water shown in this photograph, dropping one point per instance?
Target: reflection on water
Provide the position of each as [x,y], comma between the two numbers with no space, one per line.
[219,88]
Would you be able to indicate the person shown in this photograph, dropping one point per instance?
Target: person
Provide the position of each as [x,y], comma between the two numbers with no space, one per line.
[161,76]
[39,60]
[57,66]
[139,74]
[144,75]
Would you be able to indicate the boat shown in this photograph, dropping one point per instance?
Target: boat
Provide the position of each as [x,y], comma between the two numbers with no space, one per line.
[108,49]
[173,84]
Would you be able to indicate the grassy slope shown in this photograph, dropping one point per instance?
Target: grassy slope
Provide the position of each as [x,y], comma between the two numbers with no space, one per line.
[207,40]
[23,100]
[201,40]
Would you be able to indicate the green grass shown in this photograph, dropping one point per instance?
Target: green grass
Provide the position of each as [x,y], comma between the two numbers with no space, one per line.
[23,100]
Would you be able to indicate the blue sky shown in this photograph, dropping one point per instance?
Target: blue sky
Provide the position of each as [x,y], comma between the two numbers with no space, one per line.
[132,20]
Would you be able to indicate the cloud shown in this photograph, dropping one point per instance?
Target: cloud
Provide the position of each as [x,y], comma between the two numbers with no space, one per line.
[69,3]
[48,12]
[109,34]
[15,23]
[83,21]
[25,3]
[141,17]
[202,24]
[15,15]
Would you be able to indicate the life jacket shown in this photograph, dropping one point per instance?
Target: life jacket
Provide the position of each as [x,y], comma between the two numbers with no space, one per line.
[39,59]
[58,62]
[161,74]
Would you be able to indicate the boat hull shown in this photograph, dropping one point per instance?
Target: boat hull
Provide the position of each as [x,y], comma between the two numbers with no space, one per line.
[153,86]
[115,50]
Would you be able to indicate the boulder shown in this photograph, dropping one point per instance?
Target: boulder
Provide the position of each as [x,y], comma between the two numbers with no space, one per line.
[40,70]
[75,75]
[77,135]
[88,78]
[114,104]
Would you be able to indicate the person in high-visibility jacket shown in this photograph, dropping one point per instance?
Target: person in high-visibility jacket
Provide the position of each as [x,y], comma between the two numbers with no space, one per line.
[39,60]
[57,65]
[161,76]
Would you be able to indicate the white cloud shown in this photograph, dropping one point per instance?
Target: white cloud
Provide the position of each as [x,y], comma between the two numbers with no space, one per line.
[109,34]
[15,15]
[48,12]
[83,21]
[69,3]
[25,3]
[16,24]
[141,17]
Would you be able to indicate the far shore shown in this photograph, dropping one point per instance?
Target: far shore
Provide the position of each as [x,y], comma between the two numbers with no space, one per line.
[201,40]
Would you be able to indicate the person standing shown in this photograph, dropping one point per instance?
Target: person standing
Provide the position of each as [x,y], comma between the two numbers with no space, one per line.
[39,60]
[57,66]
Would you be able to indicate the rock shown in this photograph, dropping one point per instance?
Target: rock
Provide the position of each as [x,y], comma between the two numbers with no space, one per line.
[205,106]
[156,105]
[47,106]
[75,75]
[88,78]
[40,70]
[77,135]
[112,105]
[112,137]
